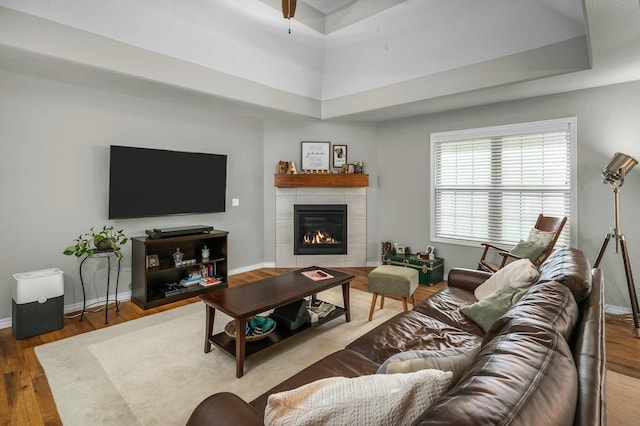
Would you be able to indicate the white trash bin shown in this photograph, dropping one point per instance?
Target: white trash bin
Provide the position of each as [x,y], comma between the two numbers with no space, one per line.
[38,302]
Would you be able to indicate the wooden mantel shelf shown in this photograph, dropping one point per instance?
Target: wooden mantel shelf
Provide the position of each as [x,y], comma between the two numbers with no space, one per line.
[302,180]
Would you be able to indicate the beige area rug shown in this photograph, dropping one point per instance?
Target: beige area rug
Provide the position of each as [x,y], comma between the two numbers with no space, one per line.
[622,400]
[153,370]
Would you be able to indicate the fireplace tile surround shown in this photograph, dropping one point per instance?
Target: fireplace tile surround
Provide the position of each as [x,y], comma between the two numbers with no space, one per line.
[356,201]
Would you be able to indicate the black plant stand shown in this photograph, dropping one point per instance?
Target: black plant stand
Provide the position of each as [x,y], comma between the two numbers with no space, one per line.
[101,254]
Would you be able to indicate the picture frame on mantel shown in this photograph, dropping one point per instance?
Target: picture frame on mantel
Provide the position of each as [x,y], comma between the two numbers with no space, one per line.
[339,156]
[315,155]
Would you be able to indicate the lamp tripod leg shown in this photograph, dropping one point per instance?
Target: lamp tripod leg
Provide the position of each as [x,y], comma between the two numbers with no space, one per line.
[631,286]
[602,250]
[627,269]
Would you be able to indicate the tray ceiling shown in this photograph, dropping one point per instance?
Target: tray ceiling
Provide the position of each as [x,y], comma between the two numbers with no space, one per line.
[392,56]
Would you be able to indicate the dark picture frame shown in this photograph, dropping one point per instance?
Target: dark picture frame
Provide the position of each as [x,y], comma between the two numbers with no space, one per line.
[339,153]
[153,261]
[315,155]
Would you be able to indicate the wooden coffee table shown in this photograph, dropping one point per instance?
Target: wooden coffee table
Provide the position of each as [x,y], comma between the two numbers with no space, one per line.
[245,301]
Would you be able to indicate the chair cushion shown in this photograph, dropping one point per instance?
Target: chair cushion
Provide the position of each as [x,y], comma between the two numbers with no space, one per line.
[396,280]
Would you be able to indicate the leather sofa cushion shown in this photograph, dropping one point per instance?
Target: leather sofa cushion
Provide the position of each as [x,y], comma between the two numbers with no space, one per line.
[589,355]
[444,306]
[569,267]
[525,375]
[548,302]
[410,331]
[344,363]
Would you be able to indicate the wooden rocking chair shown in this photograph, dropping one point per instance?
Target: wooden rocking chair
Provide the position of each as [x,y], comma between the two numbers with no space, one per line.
[546,224]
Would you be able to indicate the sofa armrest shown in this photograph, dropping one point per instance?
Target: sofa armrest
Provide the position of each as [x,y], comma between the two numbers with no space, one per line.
[225,409]
[467,279]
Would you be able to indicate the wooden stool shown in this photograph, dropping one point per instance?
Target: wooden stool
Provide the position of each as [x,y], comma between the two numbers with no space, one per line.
[394,280]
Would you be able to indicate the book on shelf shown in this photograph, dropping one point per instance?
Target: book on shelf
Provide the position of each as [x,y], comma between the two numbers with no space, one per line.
[321,308]
[209,281]
[188,282]
[317,275]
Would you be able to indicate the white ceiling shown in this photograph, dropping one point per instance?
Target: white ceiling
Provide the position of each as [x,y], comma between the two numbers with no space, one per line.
[378,60]
[327,6]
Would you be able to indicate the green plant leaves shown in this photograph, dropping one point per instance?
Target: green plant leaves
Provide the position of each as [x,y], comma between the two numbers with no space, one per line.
[86,243]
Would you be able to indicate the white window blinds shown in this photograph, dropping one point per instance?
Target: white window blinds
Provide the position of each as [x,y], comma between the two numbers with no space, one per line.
[490,184]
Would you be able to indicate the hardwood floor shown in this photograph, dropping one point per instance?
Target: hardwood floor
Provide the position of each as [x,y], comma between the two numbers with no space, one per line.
[25,397]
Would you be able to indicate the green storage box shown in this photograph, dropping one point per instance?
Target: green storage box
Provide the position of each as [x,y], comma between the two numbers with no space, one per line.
[430,271]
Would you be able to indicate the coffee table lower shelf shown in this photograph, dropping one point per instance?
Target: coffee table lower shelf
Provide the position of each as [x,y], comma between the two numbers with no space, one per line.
[228,344]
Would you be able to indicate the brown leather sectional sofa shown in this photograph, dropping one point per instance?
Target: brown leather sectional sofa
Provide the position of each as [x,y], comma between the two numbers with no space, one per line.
[541,363]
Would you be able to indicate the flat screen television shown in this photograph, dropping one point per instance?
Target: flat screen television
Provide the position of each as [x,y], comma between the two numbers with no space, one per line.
[146,182]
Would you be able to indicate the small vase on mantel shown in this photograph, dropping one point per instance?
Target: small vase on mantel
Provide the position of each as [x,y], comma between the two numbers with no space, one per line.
[205,253]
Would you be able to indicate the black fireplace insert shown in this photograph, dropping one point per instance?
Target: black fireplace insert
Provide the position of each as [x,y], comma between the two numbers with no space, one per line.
[320,229]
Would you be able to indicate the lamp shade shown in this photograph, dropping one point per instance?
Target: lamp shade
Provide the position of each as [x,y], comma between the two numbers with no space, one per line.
[615,170]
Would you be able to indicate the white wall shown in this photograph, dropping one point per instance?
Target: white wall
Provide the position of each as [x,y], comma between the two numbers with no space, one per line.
[607,122]
[54,139]
[54,158]
[282,142]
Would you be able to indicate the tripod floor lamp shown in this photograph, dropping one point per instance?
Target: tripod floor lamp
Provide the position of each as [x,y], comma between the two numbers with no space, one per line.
[613,174]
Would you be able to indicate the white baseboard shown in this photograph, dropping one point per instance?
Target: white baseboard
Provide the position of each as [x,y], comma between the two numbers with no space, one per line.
[616,310]
[237,271]
[124,296]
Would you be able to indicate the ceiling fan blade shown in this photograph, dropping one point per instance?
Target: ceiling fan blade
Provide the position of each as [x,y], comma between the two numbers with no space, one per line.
[288,8]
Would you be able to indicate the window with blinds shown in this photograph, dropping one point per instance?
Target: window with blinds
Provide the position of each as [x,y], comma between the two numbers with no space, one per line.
[490,184]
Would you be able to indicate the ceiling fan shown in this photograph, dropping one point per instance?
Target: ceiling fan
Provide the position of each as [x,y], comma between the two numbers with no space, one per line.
[288,10]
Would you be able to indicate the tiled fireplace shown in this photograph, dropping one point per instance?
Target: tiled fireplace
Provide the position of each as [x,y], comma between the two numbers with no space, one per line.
[332,202]
[319,229]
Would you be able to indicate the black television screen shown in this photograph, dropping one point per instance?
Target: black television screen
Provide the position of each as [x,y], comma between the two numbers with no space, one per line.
[147,182]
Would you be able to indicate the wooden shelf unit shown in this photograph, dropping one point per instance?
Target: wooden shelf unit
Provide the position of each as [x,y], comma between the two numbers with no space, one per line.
[145,281]
[228,344]
[321,180]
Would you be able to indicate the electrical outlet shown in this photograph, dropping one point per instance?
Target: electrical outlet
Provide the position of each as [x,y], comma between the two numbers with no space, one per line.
[235,202]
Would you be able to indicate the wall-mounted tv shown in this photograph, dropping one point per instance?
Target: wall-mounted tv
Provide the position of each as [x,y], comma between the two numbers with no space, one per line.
[146,182]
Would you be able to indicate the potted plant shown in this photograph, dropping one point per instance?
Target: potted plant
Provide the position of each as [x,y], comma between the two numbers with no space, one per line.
[91,242]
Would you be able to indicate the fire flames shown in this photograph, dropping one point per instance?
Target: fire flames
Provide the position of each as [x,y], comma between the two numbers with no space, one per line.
[319,237]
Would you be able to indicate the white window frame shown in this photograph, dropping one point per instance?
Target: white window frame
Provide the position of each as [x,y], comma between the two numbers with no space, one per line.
[503,131]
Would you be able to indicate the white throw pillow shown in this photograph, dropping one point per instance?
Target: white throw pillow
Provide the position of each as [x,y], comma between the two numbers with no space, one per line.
[377,399]
[518,274]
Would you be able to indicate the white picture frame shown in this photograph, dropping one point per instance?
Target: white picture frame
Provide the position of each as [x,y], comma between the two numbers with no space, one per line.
[315,155]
